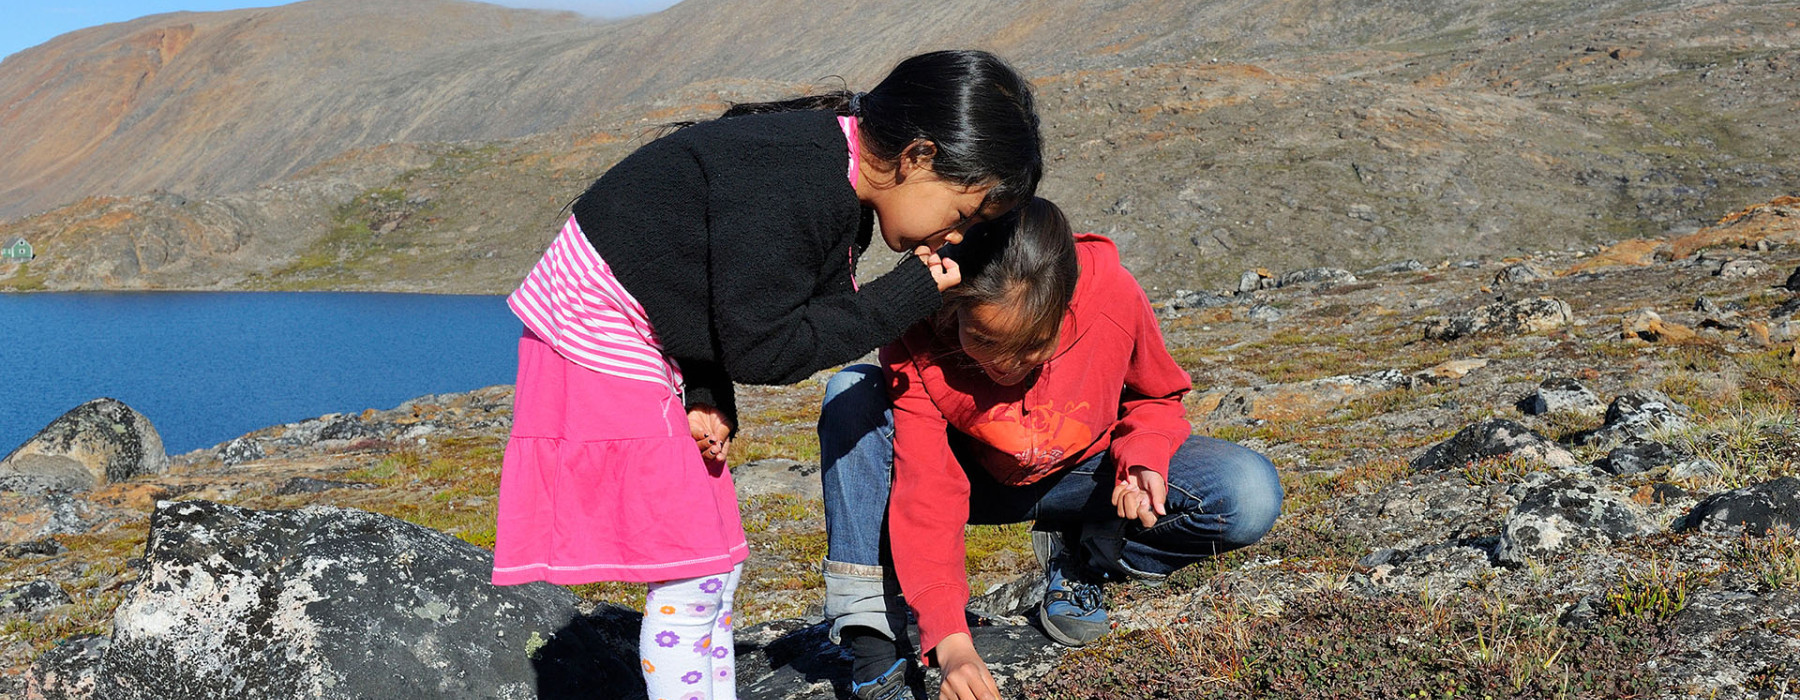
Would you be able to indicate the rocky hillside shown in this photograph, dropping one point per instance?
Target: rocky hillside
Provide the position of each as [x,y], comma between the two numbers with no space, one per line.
[349,145]
[1568,475]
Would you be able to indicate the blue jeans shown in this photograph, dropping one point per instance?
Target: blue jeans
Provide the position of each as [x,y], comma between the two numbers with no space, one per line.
[1221,497]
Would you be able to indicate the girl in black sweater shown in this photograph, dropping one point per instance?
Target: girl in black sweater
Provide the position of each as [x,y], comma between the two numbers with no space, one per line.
[725,251]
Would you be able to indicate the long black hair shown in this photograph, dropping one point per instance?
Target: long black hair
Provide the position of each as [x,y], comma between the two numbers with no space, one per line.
[1026,260]
[975,109]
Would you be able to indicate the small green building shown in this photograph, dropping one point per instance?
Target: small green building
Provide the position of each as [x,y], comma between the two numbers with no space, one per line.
[16,250]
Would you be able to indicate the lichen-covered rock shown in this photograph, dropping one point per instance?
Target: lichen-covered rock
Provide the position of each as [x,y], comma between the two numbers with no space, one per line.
[33,597]
[1637,457]
[1637,415]
[98,442]
[1317,276]
[1190,299]
[1737,644]
[1298,400]
[27,516]
[1755,510]
[66,671]
[1559,514]
[333,603]
[1506,317]
[1495,437]
[1563,395]
[1520,273]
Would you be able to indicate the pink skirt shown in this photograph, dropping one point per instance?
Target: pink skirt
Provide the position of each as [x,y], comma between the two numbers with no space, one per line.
[601,481]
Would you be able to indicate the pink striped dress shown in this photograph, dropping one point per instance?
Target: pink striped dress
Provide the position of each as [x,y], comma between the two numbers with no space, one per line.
[601,480]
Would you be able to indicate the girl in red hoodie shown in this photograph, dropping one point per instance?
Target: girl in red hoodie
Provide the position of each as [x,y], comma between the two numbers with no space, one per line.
[1040,391]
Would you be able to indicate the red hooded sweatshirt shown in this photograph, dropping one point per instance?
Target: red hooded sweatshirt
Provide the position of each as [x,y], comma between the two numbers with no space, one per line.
[1111,387]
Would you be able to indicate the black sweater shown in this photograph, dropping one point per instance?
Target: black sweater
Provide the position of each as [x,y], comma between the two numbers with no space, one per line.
[737,236]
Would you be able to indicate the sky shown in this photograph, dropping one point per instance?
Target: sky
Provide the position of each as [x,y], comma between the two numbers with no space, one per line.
[27,23]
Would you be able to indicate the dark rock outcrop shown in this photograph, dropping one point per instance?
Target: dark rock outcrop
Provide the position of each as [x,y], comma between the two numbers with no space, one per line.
[1637,457]
[98,442]
[1495,437]
[1755,510]
[1560,514]
[1636,416]
[33,597]
[1506,317]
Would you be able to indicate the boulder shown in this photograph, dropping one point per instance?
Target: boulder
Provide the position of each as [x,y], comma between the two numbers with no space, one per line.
[1755,510]
[1637,457]
[326,602]
[1408,265]
[1495,437]
[33,597]
[1506,318]
[1741,268]
[1281,402]
[27,516]
[1556,515]
[1190,299]
[1520,273]
[1317,276]
[1637,415]
[1264,313]
[96,443]
[1646,325]
[67,670]
[1563,395]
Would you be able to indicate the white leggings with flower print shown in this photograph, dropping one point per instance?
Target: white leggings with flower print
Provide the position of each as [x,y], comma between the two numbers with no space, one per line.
[686,643]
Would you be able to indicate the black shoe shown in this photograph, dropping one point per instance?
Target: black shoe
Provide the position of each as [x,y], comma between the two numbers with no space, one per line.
[890,685]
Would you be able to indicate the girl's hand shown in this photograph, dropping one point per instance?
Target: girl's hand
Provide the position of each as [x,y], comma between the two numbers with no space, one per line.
[965,675]
[711,433]
[1141,495]
[943,270]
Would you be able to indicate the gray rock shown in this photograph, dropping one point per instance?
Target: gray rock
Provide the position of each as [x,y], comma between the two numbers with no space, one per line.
[1706,307]
[1393,267]
[1741,268]
[1637,457]
[1564,395]
[30,517]
[96,443]
[1253,280]
[1699,469]
[1506,317]
[1494,437]
[1190,299]
[1793,281]
[1756,510]
[1264,313]
[1785,309]
[1637,415]
[45,547]
[334,603]
[1520,273]
[1736,644]
[1557,515]
[33,597]
[67,671]
[241,450]
[1317,276]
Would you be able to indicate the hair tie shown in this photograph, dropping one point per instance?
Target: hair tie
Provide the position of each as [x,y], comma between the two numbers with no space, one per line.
[856,103]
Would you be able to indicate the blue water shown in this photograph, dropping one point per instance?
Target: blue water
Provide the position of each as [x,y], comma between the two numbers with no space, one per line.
[206,367]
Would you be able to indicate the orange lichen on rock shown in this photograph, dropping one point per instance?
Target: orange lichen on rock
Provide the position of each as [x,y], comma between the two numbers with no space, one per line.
[1775,221]
[1636,252]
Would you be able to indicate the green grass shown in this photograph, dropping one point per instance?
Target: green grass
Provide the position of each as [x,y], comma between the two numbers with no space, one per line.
[22,280]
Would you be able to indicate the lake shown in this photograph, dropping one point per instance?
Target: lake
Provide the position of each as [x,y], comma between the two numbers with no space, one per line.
[206,367]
